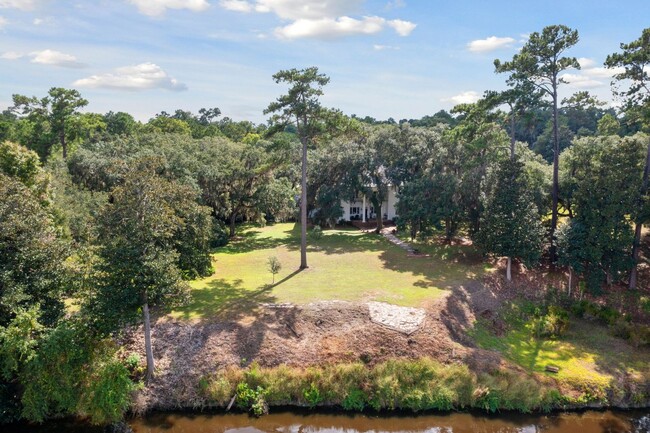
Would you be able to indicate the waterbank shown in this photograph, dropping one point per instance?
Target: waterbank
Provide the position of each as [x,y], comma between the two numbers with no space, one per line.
[215,422]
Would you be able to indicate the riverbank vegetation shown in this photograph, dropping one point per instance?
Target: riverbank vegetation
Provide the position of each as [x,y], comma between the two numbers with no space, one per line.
[107,223]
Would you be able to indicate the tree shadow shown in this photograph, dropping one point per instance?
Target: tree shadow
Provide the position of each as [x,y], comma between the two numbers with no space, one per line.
[222,299]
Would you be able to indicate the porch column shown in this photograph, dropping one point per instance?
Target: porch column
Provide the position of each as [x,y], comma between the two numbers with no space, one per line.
[363,215]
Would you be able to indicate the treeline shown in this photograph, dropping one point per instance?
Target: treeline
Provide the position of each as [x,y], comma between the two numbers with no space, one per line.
[103,218]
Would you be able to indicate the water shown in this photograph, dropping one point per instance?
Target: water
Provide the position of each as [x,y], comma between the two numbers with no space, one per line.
[287,422]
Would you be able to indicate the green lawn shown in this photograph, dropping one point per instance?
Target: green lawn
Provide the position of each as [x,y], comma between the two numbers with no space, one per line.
[345,264]
[590,359]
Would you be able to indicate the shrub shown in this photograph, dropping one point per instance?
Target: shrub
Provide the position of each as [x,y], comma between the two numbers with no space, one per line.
[251,399]
[312,395]
[355,400]
[316,233]
[220,234]
[552,324]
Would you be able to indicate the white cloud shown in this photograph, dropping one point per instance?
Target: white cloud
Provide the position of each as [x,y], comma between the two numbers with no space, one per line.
[326,28]
[11,55]
[489,44]
[308,9]
[159,7]
[138,77]
[236,5]
[586,63]
[25,5]
[468,97]
[319,19]
[378,47]
[329,28]
[46,57]
[55,58]
[590,76]
[3,22]
[403,28]
[581,81]
[603,72]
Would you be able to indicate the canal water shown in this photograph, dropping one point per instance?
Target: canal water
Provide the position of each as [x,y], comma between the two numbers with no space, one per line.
[287,422]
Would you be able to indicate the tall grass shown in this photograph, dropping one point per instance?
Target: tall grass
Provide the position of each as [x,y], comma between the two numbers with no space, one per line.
[416,385]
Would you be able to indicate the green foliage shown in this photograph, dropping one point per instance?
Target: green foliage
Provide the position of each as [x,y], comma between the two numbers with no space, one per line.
[18,342]
[252,399]
[553,323]
[151,231]
[608,125]
[69,373]
[32,254]
[22,164]
[47,119]
[355,400]
[274,266]
[511,225]
[421,384]
[604,178]
[312,395]
[108,393]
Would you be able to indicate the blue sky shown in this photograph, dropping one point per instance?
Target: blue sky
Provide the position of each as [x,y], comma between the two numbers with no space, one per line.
[397,58]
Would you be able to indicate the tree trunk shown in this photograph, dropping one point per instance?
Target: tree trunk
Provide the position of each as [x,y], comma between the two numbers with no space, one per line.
[556,183]
[512,134]
[233,218]
[147,342]
[509,269]
[570,278]
[303,208]
[636,246]
[379,216]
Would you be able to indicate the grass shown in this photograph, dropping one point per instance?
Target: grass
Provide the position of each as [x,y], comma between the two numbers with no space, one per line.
[417,385]
[344,264]
[591,361]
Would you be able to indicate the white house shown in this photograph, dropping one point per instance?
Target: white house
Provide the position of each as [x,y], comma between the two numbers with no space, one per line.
[361,207]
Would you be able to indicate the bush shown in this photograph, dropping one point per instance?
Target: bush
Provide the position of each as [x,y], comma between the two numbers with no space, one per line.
[312,395]
[220,234]
[252,400]
[553,324]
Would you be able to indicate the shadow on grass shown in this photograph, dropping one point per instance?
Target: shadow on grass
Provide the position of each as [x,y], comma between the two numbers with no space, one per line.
[221,299]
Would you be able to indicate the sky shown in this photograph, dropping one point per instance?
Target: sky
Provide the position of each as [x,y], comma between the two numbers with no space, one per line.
[385,58]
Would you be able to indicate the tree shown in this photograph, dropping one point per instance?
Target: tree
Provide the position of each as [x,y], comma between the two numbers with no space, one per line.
[167,125]
[274,266]
[606,178]
[55,109]
[520,97]
[539,63]
[511,225]
[608,125]
[237,183]
[300,107]
[635,60]
[32,255]
[140,268]
[120,123]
